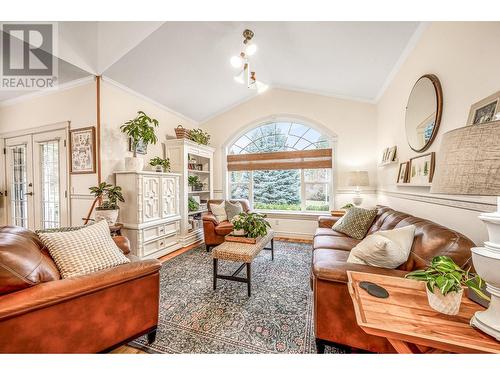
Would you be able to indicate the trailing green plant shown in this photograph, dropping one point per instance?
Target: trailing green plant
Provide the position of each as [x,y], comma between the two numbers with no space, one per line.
[193,205]
[164,163]
[347,206]
[444,274]
[199,136]
[254,224]
[108,195]
[140,129]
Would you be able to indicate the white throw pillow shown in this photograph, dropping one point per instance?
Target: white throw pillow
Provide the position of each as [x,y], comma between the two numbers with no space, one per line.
[386,248]
[219,210]
[83,251]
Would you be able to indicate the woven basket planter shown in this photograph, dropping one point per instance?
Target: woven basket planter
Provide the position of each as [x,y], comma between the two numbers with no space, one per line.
[448,304]
[181,132]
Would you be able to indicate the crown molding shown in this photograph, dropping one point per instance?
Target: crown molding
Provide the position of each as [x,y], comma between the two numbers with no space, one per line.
[147,99]
[37,94]
[410,46]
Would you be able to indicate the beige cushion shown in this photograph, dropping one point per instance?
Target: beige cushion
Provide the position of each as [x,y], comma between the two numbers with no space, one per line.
[356,222]
[386,249]
[219,211]
[83,251]
[233,209]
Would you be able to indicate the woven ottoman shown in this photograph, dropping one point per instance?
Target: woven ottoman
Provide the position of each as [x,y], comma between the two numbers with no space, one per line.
[241,252]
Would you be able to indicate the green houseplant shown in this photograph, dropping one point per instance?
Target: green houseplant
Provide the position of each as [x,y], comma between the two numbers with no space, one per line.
[195,183]
[199,136]
[445,282]
[250,224]
[161,165]
[193,205]
[108,197]
[141,130]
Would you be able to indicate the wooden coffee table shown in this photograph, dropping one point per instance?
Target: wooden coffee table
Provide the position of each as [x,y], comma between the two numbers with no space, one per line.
[410,324]
[240,252]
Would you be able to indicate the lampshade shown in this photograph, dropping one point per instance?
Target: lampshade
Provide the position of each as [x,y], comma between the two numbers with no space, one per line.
[469,161]
[358,178]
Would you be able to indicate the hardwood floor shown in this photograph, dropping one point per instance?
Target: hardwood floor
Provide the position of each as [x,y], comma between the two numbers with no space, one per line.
[125,349]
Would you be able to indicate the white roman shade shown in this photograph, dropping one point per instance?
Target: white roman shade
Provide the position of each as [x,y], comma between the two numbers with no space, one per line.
[306,159]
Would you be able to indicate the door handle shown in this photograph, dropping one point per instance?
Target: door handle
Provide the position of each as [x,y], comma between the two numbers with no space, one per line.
[30,193]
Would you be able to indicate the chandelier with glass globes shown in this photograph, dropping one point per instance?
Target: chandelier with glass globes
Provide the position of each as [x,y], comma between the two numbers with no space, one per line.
[246,75]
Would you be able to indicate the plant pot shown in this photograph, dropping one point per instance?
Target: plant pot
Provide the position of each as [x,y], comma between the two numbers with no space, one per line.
[158,168]
[111,216]
[448,304]
[134,164]
[239,232]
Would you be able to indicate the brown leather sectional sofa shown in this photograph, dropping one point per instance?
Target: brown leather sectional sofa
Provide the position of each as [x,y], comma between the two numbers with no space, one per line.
[214,231]
[334,317]
[42,313]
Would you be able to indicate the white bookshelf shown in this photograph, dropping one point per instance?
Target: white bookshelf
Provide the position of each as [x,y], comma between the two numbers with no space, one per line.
[180,151]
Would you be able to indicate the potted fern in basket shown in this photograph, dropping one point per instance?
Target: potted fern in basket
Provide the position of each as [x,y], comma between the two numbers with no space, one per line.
[445,284]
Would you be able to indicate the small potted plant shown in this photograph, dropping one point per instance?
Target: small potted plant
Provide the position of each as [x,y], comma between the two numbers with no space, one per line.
[108,197]
[251,224]
[160,165]
[193,205]
[445,284]
[199,136]
[141,129]
[195,183]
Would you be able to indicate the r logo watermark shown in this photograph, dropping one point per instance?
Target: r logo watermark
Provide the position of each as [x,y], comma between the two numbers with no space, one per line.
[29,53]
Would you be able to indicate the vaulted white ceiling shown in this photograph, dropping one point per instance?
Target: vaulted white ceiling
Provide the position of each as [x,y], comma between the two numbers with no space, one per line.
[185,65]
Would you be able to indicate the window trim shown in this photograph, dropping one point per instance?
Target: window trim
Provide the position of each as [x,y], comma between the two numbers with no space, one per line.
[330,136]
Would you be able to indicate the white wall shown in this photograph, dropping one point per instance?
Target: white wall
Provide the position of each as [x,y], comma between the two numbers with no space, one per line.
[119,105]
[464,56]
[77,105]
[353,123]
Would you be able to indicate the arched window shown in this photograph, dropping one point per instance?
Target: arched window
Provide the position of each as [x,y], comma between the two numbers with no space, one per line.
[283,189]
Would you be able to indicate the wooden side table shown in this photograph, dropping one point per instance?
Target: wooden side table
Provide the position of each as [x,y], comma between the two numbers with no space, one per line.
[410,324]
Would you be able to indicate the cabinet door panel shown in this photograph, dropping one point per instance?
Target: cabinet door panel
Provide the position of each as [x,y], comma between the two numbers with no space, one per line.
[151,198]
[170,192]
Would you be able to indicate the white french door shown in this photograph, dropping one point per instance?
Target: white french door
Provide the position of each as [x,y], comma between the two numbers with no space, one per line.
[36,178]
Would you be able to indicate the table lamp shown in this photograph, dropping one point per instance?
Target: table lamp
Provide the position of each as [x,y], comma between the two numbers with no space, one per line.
[358,178]
[469,164]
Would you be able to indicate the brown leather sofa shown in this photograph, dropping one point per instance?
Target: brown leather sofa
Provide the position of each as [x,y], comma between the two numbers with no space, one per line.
[214,231]
[334,317]
[42,313]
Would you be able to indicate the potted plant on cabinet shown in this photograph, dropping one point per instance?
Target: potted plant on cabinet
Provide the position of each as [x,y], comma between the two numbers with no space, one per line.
[141,129]
[160,165]
[108,197]
[199,136]
[445,281]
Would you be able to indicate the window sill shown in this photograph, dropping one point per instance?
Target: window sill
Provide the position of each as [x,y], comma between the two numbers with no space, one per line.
[293,215]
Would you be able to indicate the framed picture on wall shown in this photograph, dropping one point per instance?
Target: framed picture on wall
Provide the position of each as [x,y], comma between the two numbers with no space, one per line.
[486,110]
[82,150]
[403,172]
[421,169]
[142,149]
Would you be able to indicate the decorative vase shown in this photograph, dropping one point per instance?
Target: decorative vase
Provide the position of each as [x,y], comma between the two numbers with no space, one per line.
[134,164]
[111,216]
[448,304]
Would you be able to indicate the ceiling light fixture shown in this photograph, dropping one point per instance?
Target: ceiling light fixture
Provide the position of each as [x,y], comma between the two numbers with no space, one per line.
[246,76]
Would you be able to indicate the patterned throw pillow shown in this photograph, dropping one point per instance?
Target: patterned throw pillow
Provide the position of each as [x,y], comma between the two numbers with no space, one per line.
[233,209]
[356,222]
[219,211]
[83,251]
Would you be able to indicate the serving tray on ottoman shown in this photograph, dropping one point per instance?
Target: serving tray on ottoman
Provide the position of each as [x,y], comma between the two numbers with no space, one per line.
[231,237]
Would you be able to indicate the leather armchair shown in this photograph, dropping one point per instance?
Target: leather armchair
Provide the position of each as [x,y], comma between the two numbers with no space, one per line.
[213,230]
[86,314]
[334,317]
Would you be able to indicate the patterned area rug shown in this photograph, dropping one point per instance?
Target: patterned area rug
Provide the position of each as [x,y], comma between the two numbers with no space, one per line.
[277,318]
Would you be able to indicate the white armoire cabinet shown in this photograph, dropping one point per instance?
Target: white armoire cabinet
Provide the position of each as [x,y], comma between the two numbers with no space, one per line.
[151,212]
[184,153]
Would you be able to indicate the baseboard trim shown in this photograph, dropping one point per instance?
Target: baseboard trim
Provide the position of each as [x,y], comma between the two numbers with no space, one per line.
[293,235]
[469,203]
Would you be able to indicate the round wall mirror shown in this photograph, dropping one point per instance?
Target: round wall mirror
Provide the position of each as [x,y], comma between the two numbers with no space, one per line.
[423,112]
